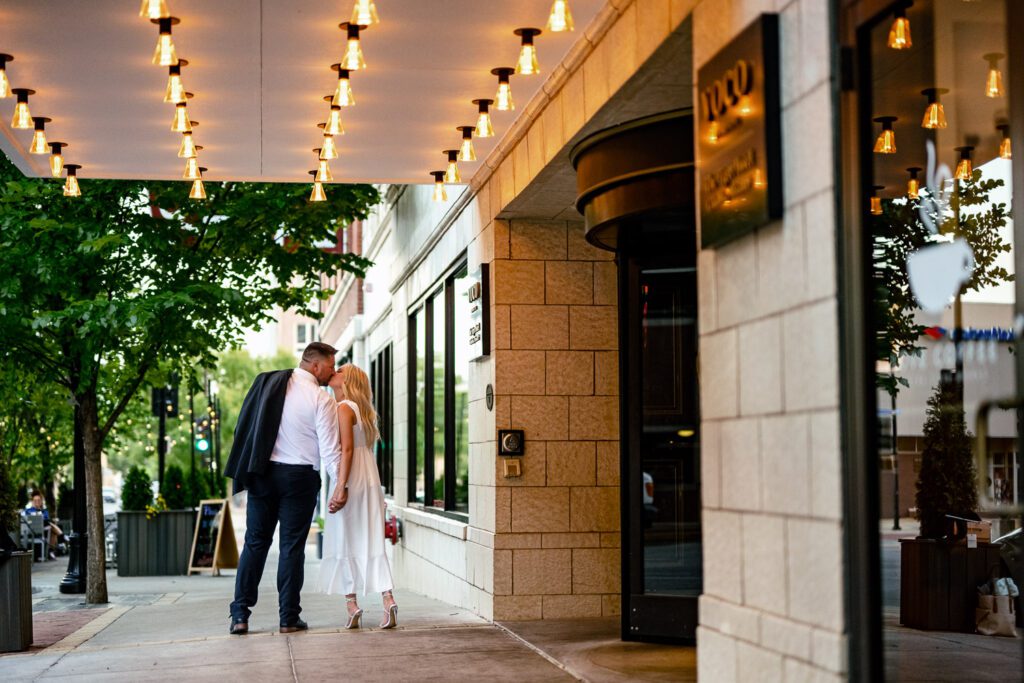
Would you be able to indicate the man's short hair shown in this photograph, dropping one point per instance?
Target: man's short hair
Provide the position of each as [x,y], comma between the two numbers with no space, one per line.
[36,492]
[318,351]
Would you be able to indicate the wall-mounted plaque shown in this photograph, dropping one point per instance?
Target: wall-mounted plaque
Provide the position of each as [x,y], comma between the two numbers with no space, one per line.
[479,299]
[739,135]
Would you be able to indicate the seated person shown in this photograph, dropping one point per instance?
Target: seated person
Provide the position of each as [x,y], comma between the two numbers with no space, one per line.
[36,507]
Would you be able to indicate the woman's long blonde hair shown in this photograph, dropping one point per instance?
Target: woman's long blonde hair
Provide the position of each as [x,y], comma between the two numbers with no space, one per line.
[357,389]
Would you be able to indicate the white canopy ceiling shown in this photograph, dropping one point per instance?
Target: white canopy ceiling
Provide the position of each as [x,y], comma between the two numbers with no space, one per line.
[259,70]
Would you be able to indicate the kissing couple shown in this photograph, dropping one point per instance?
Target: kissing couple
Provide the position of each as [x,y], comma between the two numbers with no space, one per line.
[288,430]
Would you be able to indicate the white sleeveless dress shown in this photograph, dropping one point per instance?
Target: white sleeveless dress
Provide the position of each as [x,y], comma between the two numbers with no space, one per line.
[354,560]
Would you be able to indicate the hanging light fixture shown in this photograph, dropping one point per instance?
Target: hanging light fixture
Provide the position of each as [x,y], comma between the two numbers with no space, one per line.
[913,185]
[561,17]
[318,194]
[175,93]
[39,145]
[328,149]
[466,151]
[165,54]
[353,59]
[22,119]
[451,175]
[192,166]
[886,142]
[527,63]
[181,122]
[1005,146]
[5,83]
[964,167]
[876,202]
[365,13]
[440,195]
[994,80]
[188,149]
[712,129]
[503,98]
[484,129]
[71,188]
[57,158]
[343,95]
[198,190]
[333,126]
[934,114]
[154,9]
[323,169]
[899,32]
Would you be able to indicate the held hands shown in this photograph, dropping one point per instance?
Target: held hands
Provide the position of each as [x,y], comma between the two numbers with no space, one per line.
[338,500]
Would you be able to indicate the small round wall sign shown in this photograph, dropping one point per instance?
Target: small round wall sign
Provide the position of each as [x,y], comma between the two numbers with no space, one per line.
[490,397]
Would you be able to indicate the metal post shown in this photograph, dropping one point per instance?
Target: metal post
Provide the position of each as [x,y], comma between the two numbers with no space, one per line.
[74,580]
[895,469]
[161,444]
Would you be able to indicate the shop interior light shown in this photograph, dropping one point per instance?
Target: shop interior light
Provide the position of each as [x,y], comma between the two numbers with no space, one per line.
[913,185]
[503,98]
[39,145]
[561,17]
[343,95]
[994,80]
[187,150]
[71,188]
[165,54]
[22,118]
[328,149]
[899,32]
[934,114]
[5,83]
[466,151]
[451,174]
[365,13]
[198,190]
[318,194]
[527,63]
[1005,146]
[181,122]
[323,169]
[440,195]
[57,158]
[886,142]
[333,126]
[876,201]
[154,9]
[484,128]
[353,59]
[964,167]
[175,93]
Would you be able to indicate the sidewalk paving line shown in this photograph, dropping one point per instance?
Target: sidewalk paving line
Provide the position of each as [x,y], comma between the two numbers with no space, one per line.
[73,640]
[542,653]
[168,599]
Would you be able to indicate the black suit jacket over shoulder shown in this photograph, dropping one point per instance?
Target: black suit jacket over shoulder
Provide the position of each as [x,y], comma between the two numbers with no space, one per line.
[256,429]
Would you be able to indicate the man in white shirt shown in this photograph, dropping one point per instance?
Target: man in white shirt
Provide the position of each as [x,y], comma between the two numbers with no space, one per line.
[284,487]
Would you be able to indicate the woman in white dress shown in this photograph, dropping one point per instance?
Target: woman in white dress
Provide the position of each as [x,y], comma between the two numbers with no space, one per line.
[354,560]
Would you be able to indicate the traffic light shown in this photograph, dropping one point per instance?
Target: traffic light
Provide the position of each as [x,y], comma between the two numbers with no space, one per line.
[165,401]
[203,433]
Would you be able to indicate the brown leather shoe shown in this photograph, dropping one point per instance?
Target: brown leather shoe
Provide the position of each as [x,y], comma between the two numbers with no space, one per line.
[299,625]
[238,627]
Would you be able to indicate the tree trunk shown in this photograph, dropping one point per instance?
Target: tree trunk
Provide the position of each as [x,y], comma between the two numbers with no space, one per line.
[96,586]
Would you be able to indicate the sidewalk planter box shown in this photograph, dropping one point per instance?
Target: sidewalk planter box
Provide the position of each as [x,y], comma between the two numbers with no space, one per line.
[939,582]
[154,547]
[16,605]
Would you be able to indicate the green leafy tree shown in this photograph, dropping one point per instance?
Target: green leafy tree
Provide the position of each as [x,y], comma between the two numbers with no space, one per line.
[98,291]
[137,492]
[8,498]
[173,488]
[198,487]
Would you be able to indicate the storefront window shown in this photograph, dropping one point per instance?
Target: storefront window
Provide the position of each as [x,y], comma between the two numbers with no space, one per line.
[438,388]
[418,338]
[381,380]
[460,389]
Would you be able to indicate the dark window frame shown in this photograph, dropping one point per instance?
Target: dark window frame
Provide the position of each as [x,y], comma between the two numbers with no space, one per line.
[382,381]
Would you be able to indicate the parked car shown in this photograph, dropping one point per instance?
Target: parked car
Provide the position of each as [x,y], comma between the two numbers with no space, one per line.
[111,501]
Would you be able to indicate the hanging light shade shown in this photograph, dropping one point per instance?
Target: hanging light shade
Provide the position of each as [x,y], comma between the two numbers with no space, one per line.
[39,145]
[466,151]
[328,150]
[365,13]
[899,32]
[527,63]
[994,80]
[187,149]
[71,188]
[154,9]
[913,184]
[1005,146]
[484,128]
[22,118]
[503,98]
[712,129]
[57,158]
[964,167]
[175,92]
[181,122]
[323,169]
[886,142]
[343,95]
[192,167]
[318,194]
[353,59]
[875,204]
[934,114]
[198,190]
[334,126]
[5,83]
[560,18]
[165,54]
[440,194]
[451,174]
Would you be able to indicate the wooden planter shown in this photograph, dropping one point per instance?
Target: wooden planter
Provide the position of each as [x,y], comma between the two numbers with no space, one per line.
[939,583]
[154,547]
[16,605]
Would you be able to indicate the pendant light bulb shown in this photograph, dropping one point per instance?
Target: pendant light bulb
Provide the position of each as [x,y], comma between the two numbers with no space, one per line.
[22,119]
[875,206]
[343,95]
[328,150]
[1005,146]
[913,184]
[994,80]
[713,130]
[561,17]
[503,98]
[175,93]
[318,194]
[334,126]
[934,114]
[187,150]
[484,128]
[964,167]
[323,171]
[165,54]
[71,187]
[181,122]
[899,32]
[5,83]
[154,9]
[364,13]
[451,174]
[39,145]
[198,190]
[191,169]
[886,142]
[353,59]
[440,194]
[57,159]
[466,151]
[527,64]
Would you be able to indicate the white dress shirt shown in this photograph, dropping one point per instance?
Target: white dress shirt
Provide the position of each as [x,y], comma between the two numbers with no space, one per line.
[309,424]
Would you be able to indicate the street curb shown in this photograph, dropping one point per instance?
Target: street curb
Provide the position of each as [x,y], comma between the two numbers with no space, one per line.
[74,640]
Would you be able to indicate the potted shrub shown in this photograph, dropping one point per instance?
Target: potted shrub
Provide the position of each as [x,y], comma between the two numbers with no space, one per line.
[153,540]
[15,574]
